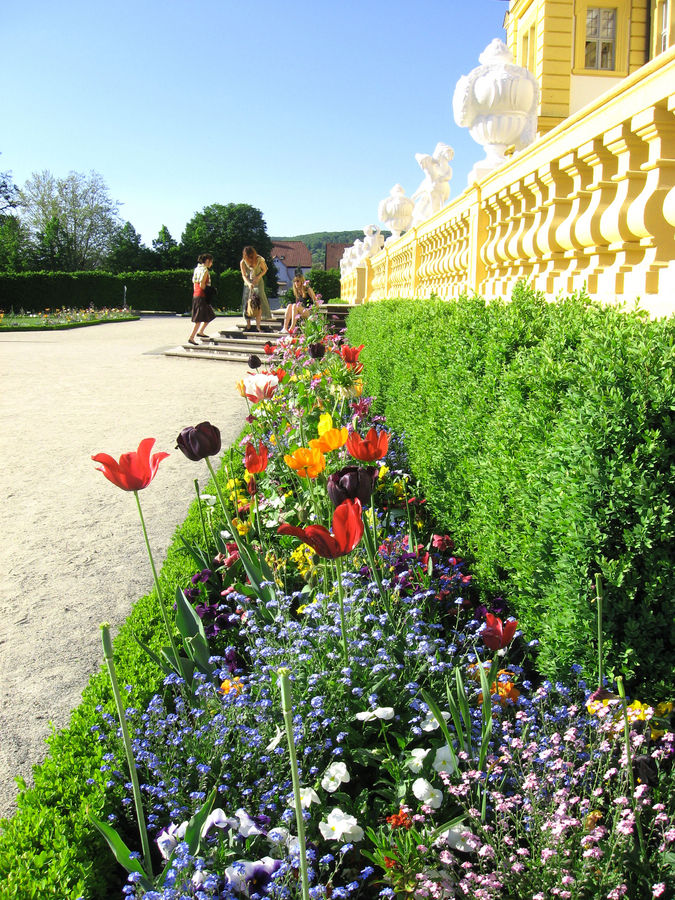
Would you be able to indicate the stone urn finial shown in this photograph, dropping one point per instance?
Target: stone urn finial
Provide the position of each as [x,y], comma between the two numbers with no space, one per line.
[395,212]
[497,102]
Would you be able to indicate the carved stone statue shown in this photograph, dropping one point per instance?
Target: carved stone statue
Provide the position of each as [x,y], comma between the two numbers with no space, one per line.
[395,212]
[434,189]
[497,102]
[373,241]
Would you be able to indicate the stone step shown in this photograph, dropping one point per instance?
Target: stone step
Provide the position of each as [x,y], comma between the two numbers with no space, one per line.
[236,345]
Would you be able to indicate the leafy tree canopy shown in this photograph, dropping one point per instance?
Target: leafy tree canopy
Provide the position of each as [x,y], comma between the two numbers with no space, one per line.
[74,216]
[128,253]
[224,231]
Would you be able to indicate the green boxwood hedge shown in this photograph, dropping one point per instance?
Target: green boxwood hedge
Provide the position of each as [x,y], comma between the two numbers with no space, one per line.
[169,291]
[37,291]
[543,435]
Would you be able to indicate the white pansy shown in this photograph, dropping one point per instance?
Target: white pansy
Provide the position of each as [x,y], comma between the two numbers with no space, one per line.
[169,838]
[307,797]
[247,826]
[427,794]
[430,723]
[416,760]
[382,712]
[218,818]
[455,838]
[443,761]
[335,775]
[340,826]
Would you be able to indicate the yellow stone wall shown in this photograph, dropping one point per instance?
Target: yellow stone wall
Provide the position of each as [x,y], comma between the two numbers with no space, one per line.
[590,204]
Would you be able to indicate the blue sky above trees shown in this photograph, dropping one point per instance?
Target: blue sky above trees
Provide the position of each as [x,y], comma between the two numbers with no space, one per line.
[310,111]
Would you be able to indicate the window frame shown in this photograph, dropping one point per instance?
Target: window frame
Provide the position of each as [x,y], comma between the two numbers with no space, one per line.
[622,14]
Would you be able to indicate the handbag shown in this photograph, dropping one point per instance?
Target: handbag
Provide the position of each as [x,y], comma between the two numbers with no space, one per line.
[254,302]
[210,292]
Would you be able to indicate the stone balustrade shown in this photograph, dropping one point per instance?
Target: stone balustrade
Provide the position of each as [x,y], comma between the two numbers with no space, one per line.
[591,204]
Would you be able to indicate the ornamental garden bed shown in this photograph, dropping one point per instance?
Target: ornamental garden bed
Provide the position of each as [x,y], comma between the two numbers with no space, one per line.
[322,705]
[60,319]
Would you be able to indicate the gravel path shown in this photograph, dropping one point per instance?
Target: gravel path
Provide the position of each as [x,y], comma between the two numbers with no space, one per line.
[72,552]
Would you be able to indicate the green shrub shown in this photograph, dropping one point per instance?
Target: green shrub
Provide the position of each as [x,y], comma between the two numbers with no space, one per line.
[169,291]
[326,283]
[37,291]
[543,437]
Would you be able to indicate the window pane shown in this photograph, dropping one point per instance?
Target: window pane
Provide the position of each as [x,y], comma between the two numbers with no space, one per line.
[592,23]
[607,20]
[590,62]
[606,55]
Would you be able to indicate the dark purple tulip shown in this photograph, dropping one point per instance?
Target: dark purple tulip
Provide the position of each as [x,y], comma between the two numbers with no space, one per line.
[317,351]
[351,483]
[199,441]
[254,361]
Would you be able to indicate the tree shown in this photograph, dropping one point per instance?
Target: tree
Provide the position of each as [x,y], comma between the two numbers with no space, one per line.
[167,252]
[225,230]
[87,217]
[9,193]
[13,244]
[127,252]
[49,250]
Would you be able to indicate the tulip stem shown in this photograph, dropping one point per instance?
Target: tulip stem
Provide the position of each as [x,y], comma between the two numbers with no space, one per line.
[136,790]
[287,711]
[201,515]
[599,598]
[160,596]
[341,600]
[629,765]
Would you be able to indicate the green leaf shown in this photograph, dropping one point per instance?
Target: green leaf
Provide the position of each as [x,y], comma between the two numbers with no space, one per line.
[438,715]
[121,851]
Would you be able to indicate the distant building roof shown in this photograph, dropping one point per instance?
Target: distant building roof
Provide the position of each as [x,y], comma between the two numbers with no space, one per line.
[292,254]
[334,255]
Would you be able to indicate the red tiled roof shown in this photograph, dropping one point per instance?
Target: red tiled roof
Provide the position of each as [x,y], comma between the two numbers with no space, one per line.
[334,255]
[292,253]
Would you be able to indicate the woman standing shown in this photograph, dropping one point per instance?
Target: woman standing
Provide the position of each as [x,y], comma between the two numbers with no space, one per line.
[202,311]
[253,268]
[304,297]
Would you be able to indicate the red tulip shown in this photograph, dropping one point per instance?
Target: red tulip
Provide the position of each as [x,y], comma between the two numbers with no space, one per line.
[255,461]
[347,532]
[351,354]
[495,635]
[134,471]
[369,449]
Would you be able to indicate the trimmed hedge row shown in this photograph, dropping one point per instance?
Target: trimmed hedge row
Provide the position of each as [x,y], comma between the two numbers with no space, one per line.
[38,291]
[544,438]
[49,848]
[169,291]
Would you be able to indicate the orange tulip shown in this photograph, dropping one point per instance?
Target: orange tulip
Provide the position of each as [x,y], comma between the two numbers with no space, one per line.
[307,462]
[332,439]
[255,461]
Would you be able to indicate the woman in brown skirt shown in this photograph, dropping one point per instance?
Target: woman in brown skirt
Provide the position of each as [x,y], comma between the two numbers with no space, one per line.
[202,311]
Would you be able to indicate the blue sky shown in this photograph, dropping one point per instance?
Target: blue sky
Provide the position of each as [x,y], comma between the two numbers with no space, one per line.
[309,111]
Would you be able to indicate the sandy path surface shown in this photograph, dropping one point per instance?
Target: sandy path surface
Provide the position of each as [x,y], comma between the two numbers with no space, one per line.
[72,552]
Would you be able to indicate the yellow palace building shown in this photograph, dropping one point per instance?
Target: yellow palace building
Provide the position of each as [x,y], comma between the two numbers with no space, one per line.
[590,202]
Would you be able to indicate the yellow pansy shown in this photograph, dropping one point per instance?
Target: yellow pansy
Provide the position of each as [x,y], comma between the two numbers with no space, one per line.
[383,471]
[242,527]
[232,685]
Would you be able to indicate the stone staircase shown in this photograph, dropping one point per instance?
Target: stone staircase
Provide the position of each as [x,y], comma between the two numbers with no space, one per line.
[236,345]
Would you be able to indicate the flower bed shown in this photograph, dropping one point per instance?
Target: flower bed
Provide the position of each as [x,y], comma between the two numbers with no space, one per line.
[339,716]
[59,319]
